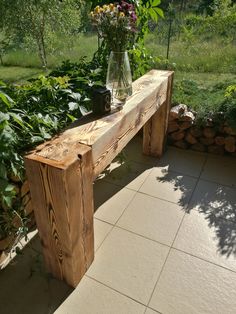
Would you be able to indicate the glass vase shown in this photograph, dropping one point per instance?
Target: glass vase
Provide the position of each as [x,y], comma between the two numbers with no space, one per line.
[119,78]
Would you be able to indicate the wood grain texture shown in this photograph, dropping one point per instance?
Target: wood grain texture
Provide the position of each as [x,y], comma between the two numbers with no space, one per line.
[63,205]
[155,130]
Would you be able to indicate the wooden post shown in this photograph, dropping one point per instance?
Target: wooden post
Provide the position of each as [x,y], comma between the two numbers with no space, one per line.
[154,131]
[62,197]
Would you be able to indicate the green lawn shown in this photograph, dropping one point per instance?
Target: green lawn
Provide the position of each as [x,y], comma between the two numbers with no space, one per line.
[205,79]
[70,47]
[20,65]
[18,74]
[211,56]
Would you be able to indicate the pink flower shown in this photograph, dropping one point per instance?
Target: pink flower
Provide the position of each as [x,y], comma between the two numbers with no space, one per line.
[133,16]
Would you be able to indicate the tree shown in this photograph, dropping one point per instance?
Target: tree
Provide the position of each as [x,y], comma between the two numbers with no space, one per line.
[5,43]
[36,18]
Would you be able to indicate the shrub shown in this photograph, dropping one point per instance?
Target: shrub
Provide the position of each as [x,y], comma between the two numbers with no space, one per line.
[30,114]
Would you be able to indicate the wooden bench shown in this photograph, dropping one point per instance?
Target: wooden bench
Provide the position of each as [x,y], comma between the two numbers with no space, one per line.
[61,172]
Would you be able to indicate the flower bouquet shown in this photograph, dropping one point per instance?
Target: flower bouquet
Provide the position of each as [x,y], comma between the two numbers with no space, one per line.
[116,24]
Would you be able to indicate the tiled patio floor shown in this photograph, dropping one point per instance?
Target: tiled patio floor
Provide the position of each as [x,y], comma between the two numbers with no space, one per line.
[165,239]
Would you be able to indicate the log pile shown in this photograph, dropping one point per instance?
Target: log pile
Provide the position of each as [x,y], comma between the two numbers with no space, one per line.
[183,132]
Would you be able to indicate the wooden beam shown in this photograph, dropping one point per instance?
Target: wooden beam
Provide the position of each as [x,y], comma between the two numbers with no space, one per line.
[62,199]
[108,135]
[155,130]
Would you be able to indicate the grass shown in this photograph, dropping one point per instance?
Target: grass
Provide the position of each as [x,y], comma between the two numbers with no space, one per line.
[212,56]
[20,65]
[205,79]
[17,73]
[71,47]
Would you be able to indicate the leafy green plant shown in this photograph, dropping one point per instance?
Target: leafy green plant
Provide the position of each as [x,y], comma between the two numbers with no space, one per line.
[141,58]
[30,114]
[228,107]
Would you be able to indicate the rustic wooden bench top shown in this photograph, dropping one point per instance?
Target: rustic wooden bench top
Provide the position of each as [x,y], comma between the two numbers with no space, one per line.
[61,171]
[108,135]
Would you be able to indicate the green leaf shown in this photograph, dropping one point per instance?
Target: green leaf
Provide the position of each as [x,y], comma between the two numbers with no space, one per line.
[155,3]
[76,96]
[159,12]
[4,117]
[3,171]
[14,170]
[83,110]
[153,15]
[73,106]
[17,119]
[9,188]
[7,200]
[72,118]
[36,139]
[6,99]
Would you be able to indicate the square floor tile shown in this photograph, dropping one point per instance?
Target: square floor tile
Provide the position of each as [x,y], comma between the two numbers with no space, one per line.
[183,161]
[129,263]
[221,170]
[216,244]
[111,200]
[190,285]
[129,174]
[153,218]
[91,297]
[215,201]
[101,229]
[170,186]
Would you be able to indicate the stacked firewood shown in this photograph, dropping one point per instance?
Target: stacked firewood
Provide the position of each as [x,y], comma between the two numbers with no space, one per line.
[184,132]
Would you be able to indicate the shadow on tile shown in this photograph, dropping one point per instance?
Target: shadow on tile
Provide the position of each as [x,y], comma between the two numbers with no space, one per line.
[125,173]
[103,191]
[218,204]
[27,288]
[177,188]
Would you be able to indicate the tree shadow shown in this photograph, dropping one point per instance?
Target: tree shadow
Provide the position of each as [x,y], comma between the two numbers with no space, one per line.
[216,202]
[179,183]
[218,205]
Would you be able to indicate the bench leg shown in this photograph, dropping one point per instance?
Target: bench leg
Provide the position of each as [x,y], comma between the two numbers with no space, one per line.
[63,203]
[155,130]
